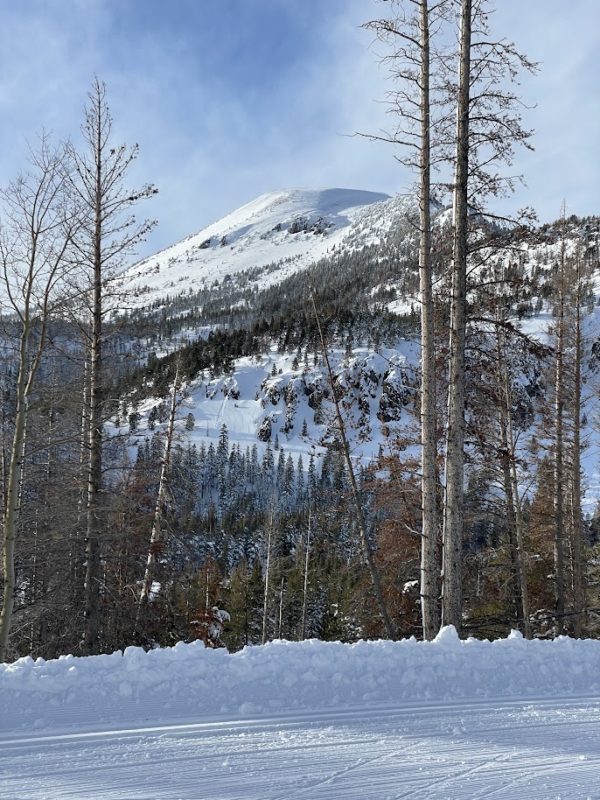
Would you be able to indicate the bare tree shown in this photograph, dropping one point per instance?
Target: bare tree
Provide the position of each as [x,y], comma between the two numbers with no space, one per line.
[109,232]
[156,534]
[37,228]
[422,115]
[475,83]
[559,420]
[354,491]
[488,127]
[508,459]
[455,432]
[577,558]
[267,580]
[570,589]
[305,578]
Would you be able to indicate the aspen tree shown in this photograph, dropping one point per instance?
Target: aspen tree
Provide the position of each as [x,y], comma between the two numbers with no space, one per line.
[156,534]
[267,581]
[305,577]
[37,229]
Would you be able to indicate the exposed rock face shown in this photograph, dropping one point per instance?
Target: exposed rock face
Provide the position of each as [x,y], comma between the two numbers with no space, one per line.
[265,430]
[371,389]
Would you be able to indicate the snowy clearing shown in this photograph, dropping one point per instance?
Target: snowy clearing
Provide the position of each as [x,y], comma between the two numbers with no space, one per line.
[447,719]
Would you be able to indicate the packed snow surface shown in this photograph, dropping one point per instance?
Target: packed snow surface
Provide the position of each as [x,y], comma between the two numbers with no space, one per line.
[444,719]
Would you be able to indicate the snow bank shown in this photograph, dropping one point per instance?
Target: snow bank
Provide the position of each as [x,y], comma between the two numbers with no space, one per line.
[188,681]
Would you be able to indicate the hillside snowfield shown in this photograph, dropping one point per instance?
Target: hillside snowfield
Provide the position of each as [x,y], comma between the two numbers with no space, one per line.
[445,719]
[264,242]
[291,229]
[269,393]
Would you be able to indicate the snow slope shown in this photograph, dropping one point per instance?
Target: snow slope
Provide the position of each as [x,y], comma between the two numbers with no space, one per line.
[445,719]
[268,390]
[288,229]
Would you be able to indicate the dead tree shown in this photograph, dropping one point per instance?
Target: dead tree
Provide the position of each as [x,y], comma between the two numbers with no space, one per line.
[508,459]
[488,128]
[267,580]
[354,491]
[109,232]
[577,558]
[559,421]
[37,230]
[455,431]
[421,135]
[305,578]
[156,534]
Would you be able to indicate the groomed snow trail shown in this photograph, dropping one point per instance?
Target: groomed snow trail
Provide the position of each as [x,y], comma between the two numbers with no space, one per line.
[441,720]
[520,750]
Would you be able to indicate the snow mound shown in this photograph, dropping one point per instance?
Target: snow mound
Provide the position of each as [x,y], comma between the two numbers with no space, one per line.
[189,681]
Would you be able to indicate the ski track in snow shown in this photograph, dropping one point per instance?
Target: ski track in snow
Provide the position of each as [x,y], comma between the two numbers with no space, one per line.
[523,750]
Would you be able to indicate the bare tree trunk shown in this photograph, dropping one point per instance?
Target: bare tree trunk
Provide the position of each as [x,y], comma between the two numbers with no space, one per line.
[4,459]
[305,581]
[94,476]
[455,436]
[207,591]
[579,584]
[516,594]
[77,536]
[13,489]
[280,619]
[511,487]
[360,517]
[265,620]
[429,534]
[519,530]
[559,408]
[159,509]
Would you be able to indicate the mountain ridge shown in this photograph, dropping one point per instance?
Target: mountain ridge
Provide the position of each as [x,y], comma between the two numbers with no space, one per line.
[268,239]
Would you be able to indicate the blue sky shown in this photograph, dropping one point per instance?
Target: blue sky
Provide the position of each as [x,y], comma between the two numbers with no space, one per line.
[232,98]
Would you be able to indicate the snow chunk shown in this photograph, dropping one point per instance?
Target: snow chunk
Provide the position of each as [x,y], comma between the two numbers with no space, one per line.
[448,637]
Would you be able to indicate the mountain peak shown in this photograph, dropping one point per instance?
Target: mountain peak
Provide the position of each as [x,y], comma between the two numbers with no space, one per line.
[288,229]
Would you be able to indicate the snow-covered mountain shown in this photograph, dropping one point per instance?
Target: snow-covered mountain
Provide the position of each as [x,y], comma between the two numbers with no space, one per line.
[277,247]
[267,240]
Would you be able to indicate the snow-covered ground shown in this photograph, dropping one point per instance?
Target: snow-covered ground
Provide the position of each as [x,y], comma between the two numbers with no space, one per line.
[447,719]
[268,388]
